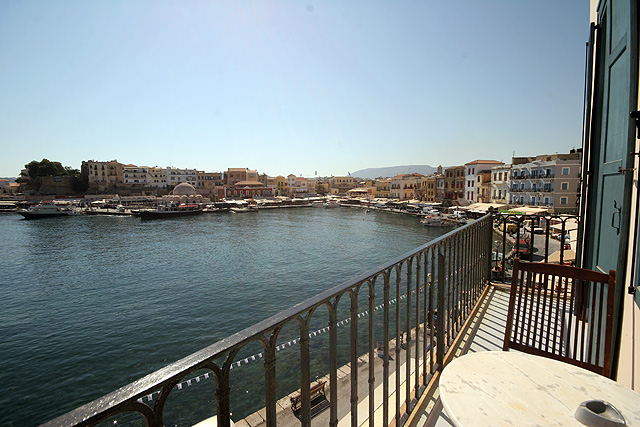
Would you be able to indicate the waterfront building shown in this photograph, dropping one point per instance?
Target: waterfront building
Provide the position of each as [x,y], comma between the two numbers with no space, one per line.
[184,193]
[547,180]
[440,181]
[235,175]
[473,169]
[300,186]
[500,183]
[341,184]
[432,187]
[383,187]
[136,175]
[177,176]
[158,177]
[208,183]
[428,189]
[454,182]
[249,190]
[322,187]
[271,182]
[312,184]
[405,186]
[263,178]
[102,175]
[484,186]
[281,185]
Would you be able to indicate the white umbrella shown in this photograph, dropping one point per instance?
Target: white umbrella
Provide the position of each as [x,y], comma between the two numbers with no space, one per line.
[569,255]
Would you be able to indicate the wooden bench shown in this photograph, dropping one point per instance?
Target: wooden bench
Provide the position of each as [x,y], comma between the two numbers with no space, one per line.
[317,391]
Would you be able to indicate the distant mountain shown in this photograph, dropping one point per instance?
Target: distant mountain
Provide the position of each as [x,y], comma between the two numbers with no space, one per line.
[391,171]
[9,179]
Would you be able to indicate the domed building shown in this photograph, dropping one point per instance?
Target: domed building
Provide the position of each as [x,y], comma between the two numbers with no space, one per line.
[183,193]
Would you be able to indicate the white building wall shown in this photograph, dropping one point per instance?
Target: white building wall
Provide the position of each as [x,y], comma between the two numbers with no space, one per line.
[177,176]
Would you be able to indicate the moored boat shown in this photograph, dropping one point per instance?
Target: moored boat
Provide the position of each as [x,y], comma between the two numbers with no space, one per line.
[43,210]
[244,209]
[169,210]
[437,221]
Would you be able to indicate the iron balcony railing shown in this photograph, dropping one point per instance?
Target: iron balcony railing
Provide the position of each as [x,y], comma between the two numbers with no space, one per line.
[425,295]
[538,238]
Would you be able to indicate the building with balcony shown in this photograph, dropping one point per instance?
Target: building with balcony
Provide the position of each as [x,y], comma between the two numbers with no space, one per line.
[341,184]
[103,175]
[547,180]
[177,176]
[484,186]
[158,177]
[136,175]
[500,183]
[428,188]
[405,186]
[383,188]
[209,183]
[300,186]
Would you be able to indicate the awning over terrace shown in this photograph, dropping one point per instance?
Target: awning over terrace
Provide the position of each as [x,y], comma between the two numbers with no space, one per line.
[484,207]
[529,210]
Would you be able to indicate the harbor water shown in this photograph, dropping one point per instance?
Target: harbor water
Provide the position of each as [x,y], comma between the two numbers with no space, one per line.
[91,303]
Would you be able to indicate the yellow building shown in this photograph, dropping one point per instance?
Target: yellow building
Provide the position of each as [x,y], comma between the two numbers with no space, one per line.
[281,185]
[341,184]
[383,187]
[103,175]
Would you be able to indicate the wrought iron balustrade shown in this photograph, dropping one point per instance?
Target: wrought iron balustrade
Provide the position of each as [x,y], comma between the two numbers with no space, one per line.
[541,238]
[425,295]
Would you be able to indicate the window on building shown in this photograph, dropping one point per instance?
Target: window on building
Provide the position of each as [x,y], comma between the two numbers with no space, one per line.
[563,200]
[565,171]
[565,185]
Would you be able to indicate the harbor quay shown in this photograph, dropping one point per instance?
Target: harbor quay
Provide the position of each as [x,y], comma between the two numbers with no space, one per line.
[287,416]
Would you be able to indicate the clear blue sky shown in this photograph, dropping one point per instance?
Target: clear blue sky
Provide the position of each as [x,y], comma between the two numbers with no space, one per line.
[287,86]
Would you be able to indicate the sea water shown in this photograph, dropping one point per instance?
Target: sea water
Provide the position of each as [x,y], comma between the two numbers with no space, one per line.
[91,303]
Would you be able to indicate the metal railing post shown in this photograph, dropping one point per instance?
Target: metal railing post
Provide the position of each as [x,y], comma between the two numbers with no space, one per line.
[440,350]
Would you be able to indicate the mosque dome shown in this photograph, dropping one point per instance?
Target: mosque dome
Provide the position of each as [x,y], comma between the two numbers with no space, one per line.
[184,189]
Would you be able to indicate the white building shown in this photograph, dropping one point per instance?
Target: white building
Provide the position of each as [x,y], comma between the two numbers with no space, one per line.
[500,179]
[158,177]
[473,170]
[177,176]
[136,175]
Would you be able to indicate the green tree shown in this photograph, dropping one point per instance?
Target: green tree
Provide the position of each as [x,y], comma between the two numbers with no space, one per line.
[49,168]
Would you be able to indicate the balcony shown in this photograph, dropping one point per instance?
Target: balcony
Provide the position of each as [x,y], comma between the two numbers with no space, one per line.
[387,371]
